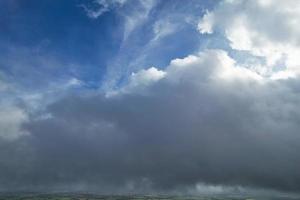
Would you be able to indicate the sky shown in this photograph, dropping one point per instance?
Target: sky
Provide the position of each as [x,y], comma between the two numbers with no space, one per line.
[150,96]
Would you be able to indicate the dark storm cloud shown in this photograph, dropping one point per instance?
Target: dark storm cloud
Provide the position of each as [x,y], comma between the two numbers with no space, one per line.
[189,127]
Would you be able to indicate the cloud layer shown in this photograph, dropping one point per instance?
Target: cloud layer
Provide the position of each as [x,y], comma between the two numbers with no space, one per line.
[204,121]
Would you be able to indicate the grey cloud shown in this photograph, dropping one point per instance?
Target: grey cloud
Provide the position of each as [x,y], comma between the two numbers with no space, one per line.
[190,127]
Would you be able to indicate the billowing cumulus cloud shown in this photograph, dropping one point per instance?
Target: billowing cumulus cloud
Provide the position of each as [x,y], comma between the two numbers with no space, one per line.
[263,28]
[205,120]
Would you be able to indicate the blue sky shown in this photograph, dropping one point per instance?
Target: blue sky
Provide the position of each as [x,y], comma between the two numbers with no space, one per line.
[60,31]
[41,32]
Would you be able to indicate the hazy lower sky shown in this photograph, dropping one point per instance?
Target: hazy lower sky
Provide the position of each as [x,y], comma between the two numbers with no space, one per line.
[150,96]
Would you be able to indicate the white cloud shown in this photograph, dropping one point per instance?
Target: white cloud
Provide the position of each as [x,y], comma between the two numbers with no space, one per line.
[163,28]
[207,23]
[144,77]
[264,28]
[211,65]
[73,82]
[137,16]
[138,82]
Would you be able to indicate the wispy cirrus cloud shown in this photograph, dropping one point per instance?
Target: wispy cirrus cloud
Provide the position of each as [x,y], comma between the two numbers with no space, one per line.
[99,7]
